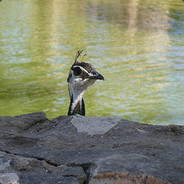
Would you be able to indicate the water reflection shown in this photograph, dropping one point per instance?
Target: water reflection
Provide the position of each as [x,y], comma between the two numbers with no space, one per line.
[137,45]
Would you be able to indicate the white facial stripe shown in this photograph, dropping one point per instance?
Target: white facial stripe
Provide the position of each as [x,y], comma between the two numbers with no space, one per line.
[82,69]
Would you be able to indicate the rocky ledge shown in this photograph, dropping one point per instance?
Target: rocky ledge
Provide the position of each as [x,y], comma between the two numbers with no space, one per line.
[89,150]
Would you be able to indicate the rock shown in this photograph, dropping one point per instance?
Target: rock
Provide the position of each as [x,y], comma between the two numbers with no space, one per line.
[124,178]
[89,150]
[12,125]
[18,169]
[116,169]
[94,125]
[6,175]
[9,178]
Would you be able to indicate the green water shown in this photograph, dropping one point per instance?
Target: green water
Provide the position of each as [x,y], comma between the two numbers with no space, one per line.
[138,45]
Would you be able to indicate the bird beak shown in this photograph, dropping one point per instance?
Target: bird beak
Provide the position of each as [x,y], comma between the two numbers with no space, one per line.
[96,76]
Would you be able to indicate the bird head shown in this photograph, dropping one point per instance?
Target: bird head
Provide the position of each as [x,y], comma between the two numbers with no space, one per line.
[82,75]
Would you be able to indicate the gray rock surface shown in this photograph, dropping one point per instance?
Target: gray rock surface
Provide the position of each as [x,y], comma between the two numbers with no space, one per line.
[89,150]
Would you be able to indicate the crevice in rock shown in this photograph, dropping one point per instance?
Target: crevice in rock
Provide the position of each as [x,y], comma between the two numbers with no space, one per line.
[47,161]
[7,152]
[32,157]
[86,168]
[146,178]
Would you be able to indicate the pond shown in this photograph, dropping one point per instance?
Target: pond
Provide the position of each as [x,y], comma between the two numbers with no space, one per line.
[138,45]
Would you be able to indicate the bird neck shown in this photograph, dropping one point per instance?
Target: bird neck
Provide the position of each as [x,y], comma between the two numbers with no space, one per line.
[77,105]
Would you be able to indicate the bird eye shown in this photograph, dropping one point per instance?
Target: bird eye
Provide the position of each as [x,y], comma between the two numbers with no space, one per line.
[77,71]
[94,72]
